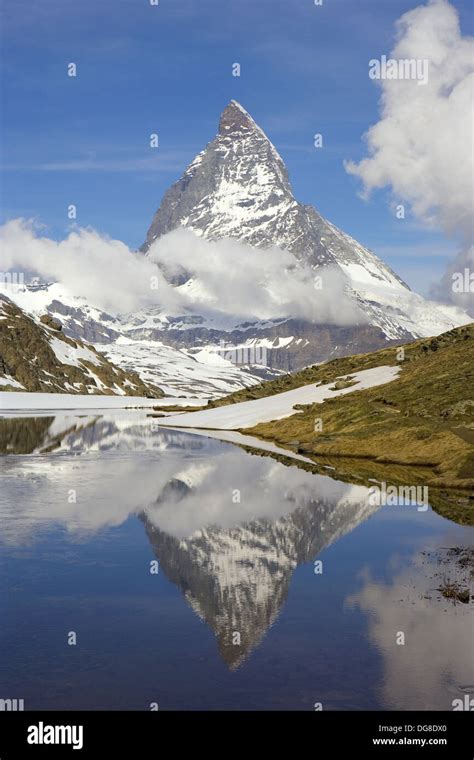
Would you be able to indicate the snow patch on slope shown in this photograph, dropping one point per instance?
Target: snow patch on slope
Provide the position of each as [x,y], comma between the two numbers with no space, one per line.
[67,354]
[249,413]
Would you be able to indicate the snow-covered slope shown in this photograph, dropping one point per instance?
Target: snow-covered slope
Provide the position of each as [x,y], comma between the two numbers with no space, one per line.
[192,372]
[249,413]
[38,402]
[181,372]
[238,187]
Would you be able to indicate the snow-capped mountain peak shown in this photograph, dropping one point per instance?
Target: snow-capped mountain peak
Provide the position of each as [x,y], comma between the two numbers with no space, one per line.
[238,187]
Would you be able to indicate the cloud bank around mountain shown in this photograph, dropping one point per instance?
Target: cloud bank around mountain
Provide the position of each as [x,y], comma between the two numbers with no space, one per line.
[422,146]
[229,280]
[230,277]
[104,271]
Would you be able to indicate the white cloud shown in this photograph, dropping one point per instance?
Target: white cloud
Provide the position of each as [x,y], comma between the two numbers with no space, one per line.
[230,280]
[429,671]
[422,146]
[104,271]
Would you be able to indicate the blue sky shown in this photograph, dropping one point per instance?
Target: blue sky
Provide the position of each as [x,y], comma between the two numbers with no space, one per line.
[168,69]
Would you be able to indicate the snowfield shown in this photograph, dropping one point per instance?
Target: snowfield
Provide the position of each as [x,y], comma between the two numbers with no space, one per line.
[67,354]
[9,380]
[204,374]
[232,417]
[250,413]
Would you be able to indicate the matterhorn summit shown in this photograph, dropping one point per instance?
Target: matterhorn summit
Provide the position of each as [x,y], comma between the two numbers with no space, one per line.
[238,188]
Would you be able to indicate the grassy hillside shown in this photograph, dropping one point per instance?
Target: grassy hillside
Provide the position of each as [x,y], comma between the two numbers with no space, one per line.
[329,371]
[418,429]
[27,357]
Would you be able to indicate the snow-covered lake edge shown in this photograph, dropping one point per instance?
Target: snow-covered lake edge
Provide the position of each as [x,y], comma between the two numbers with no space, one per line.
[11,401]
[230,418]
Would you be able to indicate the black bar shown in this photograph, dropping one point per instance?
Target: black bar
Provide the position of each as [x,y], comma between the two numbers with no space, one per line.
[324,734]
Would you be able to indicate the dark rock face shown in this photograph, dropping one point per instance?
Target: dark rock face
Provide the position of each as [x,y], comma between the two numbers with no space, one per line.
[79,324]
[49,321]
[310,343]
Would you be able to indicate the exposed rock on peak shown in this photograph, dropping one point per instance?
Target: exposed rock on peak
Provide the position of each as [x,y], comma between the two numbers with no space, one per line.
[236,120]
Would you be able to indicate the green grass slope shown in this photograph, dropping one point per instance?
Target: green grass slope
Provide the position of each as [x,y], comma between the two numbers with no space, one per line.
[417,429]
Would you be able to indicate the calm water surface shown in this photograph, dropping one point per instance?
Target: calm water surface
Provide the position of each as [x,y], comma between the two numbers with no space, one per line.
[236,616]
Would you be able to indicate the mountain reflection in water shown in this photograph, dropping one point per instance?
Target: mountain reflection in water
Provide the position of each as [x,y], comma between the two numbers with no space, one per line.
[230,530]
